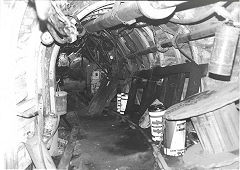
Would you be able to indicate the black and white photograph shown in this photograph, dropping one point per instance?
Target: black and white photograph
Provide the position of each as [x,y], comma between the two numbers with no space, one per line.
[119,85]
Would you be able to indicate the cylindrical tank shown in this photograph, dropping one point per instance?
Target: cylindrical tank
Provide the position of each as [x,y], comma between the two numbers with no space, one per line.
[225,43]
[174,137]
[123,102]
[156,112]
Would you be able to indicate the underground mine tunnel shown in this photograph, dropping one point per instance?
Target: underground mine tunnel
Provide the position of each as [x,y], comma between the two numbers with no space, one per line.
[119,85]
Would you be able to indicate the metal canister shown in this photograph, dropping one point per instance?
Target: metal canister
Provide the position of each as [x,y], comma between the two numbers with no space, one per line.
[174,137]
[119,96]
[156,112]
[124,99]
[225,44]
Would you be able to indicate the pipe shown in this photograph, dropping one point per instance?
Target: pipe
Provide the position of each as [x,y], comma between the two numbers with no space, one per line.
[129,11]
[182,38]
[89,9]
[55,35]
[199,18]
[142,52]
[43,8]
[194,35]
[52,89]
[52,78]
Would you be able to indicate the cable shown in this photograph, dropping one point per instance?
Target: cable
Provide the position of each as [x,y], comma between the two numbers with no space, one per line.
[132,27]
[94,8]
[30,116]
[181,51]
[149,140]
[126,33]
[115,49]
[91,58]
[55,35]
[199,18]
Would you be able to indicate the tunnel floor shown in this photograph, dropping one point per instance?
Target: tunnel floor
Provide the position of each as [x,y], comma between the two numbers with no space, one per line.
[105,142]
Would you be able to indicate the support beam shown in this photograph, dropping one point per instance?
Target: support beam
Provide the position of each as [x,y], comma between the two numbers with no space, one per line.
[129,11]
[208,31]
[68,152]
[104,95]
[210,99]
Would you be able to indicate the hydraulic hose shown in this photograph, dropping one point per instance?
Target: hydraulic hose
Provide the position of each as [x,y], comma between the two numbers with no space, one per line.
[55,35]
[181,51]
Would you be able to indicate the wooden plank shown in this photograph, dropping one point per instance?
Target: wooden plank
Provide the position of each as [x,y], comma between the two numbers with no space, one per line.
[204,102]
[162,90]
[179,89]
[103,97]
[148,96]
[227,126]
[132,95]
[66,121]
[36,148]
[230,112]
[204,134]
[212,133]
[67,155]
[223,129]
[159,158]
[169,91]
[199,132]
[217,131]
[174,89]
[169,73]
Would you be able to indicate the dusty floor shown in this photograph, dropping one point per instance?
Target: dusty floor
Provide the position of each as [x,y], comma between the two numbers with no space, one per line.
[106,142]
[109,144]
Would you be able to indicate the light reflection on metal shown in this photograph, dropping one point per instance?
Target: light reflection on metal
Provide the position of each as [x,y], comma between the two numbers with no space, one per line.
[129,11]
[225,44]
